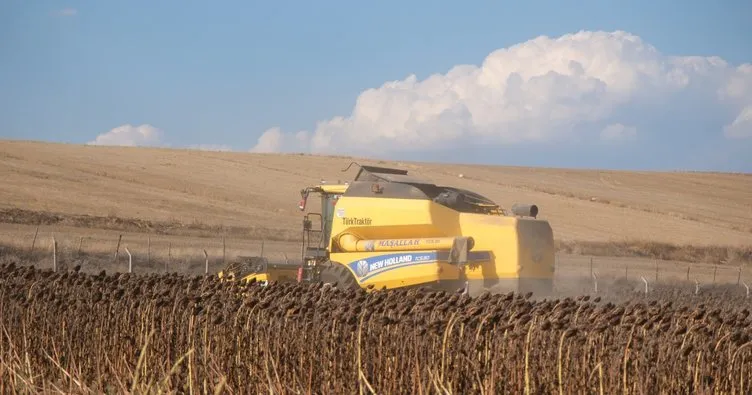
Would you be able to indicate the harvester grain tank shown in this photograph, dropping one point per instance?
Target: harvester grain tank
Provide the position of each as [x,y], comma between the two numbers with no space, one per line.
[388,229]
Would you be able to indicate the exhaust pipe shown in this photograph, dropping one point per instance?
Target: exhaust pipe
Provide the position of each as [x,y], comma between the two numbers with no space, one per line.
[525,210]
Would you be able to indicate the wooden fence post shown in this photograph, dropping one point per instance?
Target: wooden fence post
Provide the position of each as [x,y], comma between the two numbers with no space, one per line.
[148,250]
[33,242]
[117,249]
[656,270]
[80,241]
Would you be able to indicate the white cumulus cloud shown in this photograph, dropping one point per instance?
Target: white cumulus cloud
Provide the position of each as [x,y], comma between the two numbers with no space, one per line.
[274,140]
[270,141]
[586,85]
[129,135]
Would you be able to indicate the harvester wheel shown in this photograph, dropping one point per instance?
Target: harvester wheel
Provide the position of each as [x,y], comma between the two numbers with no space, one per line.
[336,274]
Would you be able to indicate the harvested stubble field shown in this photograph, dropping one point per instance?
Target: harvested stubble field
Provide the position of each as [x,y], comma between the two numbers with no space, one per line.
[80,333]
[702,217]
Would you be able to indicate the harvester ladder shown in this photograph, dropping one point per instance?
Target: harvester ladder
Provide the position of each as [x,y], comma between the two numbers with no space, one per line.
[313,239]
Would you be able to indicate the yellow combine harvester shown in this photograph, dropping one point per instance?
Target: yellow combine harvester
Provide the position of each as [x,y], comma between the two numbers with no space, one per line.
[390,230]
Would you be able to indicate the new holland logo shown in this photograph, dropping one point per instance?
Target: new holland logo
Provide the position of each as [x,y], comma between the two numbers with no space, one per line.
[362,268]
[389,262]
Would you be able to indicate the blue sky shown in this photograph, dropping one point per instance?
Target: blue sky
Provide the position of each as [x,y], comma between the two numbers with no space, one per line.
[225,73]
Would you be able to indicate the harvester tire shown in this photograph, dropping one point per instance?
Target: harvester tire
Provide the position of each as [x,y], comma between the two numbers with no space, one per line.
[338,275]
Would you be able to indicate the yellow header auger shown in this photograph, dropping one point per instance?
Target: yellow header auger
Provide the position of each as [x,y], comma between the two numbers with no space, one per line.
[390,230]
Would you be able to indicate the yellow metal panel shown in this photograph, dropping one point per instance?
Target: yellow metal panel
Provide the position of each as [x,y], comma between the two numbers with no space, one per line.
[374,218]
[505,247]
[257,276]
[521,248]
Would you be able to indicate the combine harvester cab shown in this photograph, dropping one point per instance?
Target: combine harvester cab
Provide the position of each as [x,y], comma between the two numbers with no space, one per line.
[392,230]
[387,229]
